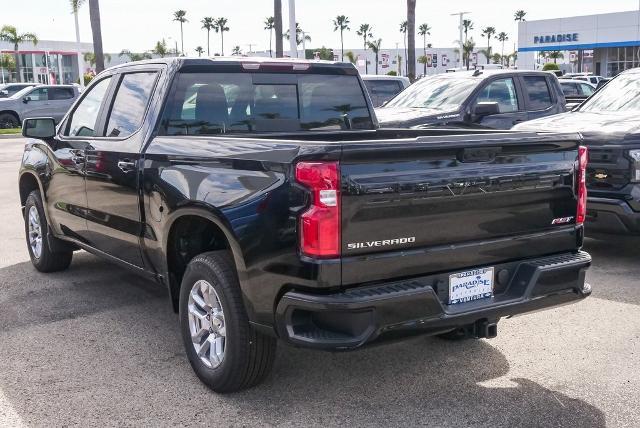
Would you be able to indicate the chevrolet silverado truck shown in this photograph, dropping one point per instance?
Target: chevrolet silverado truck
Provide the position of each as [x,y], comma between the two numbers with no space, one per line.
[263,196]
[610,127]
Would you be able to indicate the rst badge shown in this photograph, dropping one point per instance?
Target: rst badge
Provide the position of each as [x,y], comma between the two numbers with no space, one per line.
[561,220]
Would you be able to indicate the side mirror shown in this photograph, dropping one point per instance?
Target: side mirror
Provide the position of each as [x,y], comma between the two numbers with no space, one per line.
[41,127]
[483,109]
[26,99]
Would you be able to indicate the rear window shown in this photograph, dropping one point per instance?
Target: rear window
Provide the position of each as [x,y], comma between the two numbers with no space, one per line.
[538,90]
[219,103]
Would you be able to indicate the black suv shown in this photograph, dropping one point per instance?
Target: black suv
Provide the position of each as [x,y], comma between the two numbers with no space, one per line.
[496,99]
[609,122]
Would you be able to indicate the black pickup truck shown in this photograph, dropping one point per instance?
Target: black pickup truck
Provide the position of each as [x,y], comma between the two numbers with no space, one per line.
[609,124]
[263,196]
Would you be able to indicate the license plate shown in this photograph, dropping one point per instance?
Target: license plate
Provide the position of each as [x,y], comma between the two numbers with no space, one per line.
[470,285]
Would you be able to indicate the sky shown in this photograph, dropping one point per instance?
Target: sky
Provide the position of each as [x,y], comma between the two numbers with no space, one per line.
[137,24]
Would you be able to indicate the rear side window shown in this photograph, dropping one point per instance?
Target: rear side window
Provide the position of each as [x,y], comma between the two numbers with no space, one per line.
[60,93]
[538,90]
[83,119]
[218,103]
[569,88]
[130,104]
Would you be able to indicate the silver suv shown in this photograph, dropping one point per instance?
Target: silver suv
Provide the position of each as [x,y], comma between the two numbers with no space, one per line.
[38,101]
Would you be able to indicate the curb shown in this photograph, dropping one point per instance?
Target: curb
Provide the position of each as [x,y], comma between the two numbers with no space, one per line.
[9,136]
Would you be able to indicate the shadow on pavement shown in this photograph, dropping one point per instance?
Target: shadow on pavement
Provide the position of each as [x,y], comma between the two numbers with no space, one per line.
[97,345]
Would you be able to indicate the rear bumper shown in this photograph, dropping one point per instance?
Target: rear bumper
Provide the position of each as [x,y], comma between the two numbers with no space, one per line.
[362,315]
[616,216]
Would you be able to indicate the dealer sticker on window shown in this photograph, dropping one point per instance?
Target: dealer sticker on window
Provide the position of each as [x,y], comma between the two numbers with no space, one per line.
[470,285]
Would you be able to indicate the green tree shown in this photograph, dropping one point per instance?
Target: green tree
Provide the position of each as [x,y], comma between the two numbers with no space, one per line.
[341,23]
[502,37]
[299,37]
[208,24]
[403,30]
[96,32]
[550,66]
[181,17]
[365,33]
[199,50]
[488,32]
[486,53]
[467,50]
[424,30]
[374,46]
[411,39]
[10,34]
[519,15]
[221,27]
[467,24]
[92,58]
[75,6]
[496,58]
[555,56]
[351,57]
[161,48]
[236,51]
[134,56]
[269,24]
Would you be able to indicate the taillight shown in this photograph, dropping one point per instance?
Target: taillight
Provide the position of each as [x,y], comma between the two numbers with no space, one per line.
[320,223]
[581,179]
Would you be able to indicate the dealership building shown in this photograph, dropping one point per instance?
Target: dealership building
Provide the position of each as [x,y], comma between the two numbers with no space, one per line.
[50,61]
[603,44]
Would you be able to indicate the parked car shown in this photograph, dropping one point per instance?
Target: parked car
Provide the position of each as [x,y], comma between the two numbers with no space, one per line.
[8,89]
[36,101]
[382,88]
[478,99]
[585,77]
[270,210]
[609,122]
[576,91]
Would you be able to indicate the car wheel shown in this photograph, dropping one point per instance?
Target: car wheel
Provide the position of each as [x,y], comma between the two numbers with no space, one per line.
[8,121]
[39,241]
[226,353]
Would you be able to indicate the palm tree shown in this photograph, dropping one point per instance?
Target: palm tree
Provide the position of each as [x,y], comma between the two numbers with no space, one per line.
[208,24]
[403,30]
[131,55]
[486,53]
[181,17]
[555,56]
[269,24]
[277,26]
[375,48]
[161,48]
[365,32]
[9,33]
[468,25]
[92,58]
[488,32]
[411,39]
[424,30]
[200,50]
[341,23]
[221,26]
[351,57]
[519,15]
[502,37]
[75,5]
[236,50]
[299,38]
[96,31]
[467,50]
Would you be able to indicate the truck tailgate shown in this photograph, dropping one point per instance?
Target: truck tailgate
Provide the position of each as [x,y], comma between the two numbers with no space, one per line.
[443,203]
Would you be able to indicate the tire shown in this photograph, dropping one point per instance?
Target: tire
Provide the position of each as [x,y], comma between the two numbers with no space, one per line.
[247,355]
[9,120]
[43,257]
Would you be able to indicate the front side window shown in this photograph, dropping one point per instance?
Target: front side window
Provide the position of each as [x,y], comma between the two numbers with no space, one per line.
[39,94]
[503,92]
[217,103]
[538,90]
[83,120]
[130,104]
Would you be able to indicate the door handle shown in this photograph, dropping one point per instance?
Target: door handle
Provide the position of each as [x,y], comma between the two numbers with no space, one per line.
[126,165]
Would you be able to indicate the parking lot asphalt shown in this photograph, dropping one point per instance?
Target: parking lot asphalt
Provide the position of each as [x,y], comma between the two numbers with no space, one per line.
[96,345]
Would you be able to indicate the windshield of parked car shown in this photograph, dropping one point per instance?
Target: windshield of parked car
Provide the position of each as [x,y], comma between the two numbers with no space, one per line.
[440,93]
[620,94]
[222,103]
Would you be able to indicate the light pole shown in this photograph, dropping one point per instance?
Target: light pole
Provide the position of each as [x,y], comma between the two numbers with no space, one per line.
[461,28]
[293,36]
